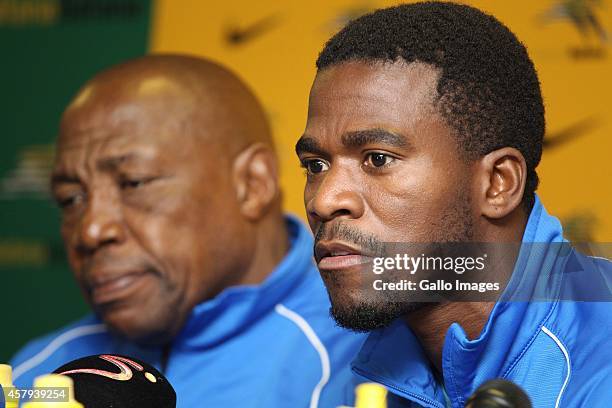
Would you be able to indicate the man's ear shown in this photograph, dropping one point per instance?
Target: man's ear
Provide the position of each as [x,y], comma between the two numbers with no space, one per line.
[502,176]
[255,176]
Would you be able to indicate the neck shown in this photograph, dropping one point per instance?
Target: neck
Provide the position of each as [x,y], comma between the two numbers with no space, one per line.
[431,322]
[271,246]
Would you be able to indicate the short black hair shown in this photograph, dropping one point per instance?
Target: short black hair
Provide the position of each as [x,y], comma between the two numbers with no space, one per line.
[488,90]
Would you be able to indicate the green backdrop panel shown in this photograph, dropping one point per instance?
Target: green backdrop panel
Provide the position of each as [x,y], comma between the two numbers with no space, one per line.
[49,48]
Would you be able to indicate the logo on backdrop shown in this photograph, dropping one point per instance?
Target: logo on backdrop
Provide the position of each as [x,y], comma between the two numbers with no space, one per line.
[585,17]
[239,35]
[30,176]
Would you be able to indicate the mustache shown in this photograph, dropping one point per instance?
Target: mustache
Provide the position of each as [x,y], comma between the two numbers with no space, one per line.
[106,262]
[340,231]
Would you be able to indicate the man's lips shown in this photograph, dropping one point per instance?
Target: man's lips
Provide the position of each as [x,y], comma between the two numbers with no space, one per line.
[334,255]
[106,288]
[342,262]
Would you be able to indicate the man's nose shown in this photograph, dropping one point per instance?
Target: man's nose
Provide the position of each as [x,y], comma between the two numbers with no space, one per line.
[102,223]
[337,195]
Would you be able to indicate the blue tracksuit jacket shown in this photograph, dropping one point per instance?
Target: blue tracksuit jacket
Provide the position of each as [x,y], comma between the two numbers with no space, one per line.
[272,345]
[558,350]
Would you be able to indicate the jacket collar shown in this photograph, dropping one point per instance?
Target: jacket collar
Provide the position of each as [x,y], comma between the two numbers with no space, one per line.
[236,308]
[393,356]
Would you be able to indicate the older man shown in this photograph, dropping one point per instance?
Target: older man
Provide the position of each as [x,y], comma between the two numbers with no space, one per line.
[425,127]
[167,182]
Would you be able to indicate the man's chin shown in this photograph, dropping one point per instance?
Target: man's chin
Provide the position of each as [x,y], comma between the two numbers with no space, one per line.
[367,316]
[137,328]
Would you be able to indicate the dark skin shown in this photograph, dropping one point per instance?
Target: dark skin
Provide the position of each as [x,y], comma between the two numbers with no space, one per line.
[167,180]
[405,181]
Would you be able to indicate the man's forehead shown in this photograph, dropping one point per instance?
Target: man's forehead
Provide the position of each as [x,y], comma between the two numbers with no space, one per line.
[127,102]
[107,151]
[377,81]
[355,95]
[123,119]
[144,85]
[395,102]
[103,140]
[169,139]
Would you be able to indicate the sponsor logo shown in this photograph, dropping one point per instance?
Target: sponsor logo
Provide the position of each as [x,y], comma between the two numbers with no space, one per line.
[123,364]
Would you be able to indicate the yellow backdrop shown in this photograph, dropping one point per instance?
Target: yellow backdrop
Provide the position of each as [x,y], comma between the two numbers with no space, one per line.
[273,46]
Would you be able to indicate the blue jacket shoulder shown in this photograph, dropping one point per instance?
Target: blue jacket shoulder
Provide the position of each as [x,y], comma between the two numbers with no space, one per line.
[45,354]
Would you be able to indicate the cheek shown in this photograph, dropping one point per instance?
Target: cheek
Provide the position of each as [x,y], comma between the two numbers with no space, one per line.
[310,189]
[177,240]
[69,229]
[68,232]
[408,202]
[163,238]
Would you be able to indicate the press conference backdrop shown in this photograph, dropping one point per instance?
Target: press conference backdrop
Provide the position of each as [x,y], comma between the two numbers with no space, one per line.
[49,47]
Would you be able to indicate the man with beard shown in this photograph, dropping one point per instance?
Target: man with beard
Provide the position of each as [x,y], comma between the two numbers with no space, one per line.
[171,217]
[425,125]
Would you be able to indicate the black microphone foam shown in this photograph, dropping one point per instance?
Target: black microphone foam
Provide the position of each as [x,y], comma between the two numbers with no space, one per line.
[499,393]
[113,381]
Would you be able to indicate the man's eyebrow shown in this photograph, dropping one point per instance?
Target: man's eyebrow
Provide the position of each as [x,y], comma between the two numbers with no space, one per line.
[307,144]
[57,178]
[362,137]
[357,138]
[107,163]
[111,163]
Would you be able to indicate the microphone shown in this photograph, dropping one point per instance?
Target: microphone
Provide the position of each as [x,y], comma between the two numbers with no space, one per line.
[105,381]
[499,393]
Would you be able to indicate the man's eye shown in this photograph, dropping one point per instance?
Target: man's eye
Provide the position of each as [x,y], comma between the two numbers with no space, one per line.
[127,184]
[69,201]
[378,159]
[315,166]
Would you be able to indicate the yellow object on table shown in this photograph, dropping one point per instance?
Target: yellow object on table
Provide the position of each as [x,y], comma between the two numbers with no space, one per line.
[370,395]
[6,381]
[54,381]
